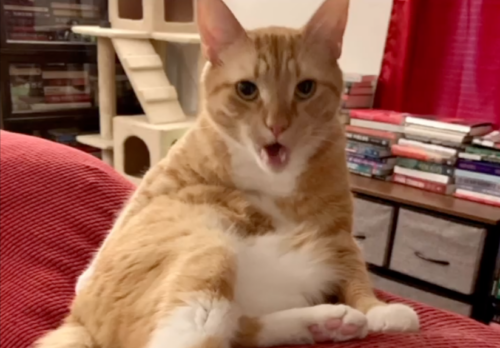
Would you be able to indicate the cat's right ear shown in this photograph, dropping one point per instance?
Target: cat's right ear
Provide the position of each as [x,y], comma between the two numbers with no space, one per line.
[327,26]
[219,29]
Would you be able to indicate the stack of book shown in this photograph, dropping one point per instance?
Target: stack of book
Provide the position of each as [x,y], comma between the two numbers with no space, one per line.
[49,87]
[47,20]
[358,93]
[370,135]
[429,150]
[67,136]
[478,170]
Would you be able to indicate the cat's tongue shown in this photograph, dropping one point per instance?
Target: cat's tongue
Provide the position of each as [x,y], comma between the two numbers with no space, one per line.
[275,155]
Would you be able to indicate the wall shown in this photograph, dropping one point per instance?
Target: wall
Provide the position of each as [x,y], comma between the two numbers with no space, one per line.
[365,35]
[363,43]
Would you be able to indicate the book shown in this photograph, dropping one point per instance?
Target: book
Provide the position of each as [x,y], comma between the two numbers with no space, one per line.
[453,137]
[65,74]
[367,149]
[383,116]
[67,98]
[377,125]
[368,169]
[26,86]
[483,151]
[429,167]
[356,101]
[421,154]
[76,13]
[356,78]
[24,69]
[391,136]
[477,197]
[491,139]
[379,163]
[477,183]
[475,175]
[475,188]
[378,177]
[63,90]
[362,84]
[423,184]
[66,82]
[479,158]
[479,167]
[26,14]
[445,151]
[25,8]
[442,179]
[60,106]
[66,6]
[428,140]
[29,37]
[369,139]
[65,136]
[355,90]
[466,127]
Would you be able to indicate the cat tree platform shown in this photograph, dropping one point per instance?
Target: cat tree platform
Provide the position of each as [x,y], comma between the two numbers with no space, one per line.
[137,32]
[112,33]
[96,140]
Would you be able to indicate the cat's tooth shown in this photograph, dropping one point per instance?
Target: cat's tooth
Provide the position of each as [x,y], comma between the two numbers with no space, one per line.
[263,155]
[283,155]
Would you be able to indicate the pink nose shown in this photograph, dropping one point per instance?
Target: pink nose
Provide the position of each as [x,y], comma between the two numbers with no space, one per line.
[277,130]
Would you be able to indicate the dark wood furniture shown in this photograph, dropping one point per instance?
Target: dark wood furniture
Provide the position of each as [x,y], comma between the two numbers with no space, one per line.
[39,52]
[456,224]
[44,38]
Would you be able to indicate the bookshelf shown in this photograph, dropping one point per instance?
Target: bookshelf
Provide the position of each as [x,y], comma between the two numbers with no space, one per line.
[48,73]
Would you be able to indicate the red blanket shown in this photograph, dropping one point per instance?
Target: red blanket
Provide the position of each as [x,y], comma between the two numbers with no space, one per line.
[57,204]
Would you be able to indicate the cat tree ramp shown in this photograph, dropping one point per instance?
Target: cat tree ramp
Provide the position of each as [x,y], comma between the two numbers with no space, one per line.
[137,32]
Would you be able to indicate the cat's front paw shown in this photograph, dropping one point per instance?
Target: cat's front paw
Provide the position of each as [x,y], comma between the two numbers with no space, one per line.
[393,318]
[337,323]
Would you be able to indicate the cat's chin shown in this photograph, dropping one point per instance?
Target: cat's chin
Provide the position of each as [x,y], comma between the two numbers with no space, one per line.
[275,157]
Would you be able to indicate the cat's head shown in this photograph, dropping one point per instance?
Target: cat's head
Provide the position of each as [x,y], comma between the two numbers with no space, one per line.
[273,91]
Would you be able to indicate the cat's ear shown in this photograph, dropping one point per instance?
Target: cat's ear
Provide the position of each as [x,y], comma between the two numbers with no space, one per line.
[219,29]
[327,25]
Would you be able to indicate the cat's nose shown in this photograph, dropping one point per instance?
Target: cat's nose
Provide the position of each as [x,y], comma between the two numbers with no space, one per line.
[277,129]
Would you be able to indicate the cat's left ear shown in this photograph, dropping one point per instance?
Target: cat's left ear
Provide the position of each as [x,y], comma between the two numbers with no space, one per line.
[219,29]
[327,25]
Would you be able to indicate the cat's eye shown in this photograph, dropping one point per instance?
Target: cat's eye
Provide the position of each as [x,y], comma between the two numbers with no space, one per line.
[305,89]
[247,90]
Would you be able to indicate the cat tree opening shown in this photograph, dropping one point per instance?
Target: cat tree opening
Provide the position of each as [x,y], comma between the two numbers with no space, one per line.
[137,159]
[130,9]
[180,11]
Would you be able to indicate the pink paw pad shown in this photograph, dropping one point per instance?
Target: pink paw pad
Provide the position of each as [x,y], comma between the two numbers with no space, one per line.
[328,331]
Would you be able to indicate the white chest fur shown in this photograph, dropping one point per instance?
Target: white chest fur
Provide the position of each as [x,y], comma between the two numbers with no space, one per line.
[272,276]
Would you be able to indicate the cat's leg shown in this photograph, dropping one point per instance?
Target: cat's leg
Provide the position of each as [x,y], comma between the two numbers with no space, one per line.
[357,292]
[317,324]
[196,306]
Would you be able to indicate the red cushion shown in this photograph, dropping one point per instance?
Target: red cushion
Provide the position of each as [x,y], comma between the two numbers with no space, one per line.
[57,204]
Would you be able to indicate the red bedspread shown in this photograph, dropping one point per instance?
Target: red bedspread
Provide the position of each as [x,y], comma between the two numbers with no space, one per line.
[56,206]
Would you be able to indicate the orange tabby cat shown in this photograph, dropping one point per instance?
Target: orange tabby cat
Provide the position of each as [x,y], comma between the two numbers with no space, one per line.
[242,234]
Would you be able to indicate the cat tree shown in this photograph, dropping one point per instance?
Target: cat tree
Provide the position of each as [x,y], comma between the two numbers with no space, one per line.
[137,31]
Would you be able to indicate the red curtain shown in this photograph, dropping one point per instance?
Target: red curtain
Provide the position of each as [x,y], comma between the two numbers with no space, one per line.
[442,57]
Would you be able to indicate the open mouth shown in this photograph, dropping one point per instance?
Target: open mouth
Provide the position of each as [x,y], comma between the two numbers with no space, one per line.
[275,155]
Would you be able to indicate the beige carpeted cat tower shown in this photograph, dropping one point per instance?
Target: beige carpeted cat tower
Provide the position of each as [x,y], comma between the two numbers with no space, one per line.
[138,31]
